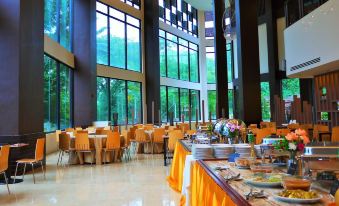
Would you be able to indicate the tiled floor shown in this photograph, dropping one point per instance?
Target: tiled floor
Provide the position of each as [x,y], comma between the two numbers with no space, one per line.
[139,182]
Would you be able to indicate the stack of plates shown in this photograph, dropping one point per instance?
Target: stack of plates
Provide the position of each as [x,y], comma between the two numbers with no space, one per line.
[202,151]
[222,151]
[243,149]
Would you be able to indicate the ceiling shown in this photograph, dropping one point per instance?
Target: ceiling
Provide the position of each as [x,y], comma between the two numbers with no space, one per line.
[205,5]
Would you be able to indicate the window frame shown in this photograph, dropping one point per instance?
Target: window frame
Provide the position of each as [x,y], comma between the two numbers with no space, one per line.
[126,23]
[179,102]
[110,114]
[58,96]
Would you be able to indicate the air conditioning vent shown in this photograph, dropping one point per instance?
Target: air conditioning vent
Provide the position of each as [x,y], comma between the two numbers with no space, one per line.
[305,64]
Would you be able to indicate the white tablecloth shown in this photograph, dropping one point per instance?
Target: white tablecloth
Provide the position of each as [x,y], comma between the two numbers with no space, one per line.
[186,183]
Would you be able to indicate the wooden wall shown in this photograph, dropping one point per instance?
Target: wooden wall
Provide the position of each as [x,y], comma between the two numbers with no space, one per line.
[329,102]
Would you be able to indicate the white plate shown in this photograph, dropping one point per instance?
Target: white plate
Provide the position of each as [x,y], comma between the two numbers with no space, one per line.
[263,184]
[297,200]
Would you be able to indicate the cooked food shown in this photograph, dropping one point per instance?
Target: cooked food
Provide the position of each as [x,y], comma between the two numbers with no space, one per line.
[267,178]
[261,168]
[244,162]
[292,183]
[299,194]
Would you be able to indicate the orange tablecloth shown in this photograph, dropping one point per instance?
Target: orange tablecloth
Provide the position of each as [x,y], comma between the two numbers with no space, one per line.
[205,191]
[177,168]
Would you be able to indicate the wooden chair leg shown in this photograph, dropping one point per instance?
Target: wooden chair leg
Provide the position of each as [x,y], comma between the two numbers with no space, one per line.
[33,173]
[9,192]
[16,170]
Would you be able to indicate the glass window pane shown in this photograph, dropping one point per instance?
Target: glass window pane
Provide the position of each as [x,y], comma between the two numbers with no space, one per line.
[212,103]
[118,99]
[184,102]
[102,39]
[133,49]
[183,63]
[195,104]
[133,21]
[193,46]
[117,43]
[134,102]
[172,60]
[210,64]
[171,37]
[290,87]
[65,20]
[50,95]
[230,103]
[173,102]
[265,101]
[51,19]
[65,97]
[101,7]
[229,66]
[117,14]
[194,66]
[102,99]
[162,33]
[183,42]
[163,107]
[162,57]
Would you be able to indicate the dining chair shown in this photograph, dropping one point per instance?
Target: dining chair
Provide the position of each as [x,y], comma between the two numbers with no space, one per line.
[148,127]
[191,132]
[335,134]
[184,127]
[101,131]
[78,128]
[112,144]
[4,154]
[39,156]
[70,129]
[318,128]
[82,144]
[141,138]
[283,132]
[126,147]
[252,126]
[261,134]
[64,146]
[158,137]
[293,126]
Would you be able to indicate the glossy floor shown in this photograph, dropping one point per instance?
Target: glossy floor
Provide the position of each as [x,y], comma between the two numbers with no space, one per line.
[139,182]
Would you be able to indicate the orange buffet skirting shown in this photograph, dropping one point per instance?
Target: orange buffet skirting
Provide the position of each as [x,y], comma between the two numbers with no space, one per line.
[205,191]
[177,168]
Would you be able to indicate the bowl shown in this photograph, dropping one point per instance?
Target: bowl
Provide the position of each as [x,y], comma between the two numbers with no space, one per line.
[261,168]
[296,183]
[244,162]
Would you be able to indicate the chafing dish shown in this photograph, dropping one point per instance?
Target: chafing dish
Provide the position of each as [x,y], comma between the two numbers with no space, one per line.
[320,157]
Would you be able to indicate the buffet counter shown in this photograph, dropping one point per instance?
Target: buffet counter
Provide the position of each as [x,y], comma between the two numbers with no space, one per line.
[175,177]
[209,187]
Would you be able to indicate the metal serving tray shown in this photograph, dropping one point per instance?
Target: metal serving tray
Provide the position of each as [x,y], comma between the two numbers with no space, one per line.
[322,149]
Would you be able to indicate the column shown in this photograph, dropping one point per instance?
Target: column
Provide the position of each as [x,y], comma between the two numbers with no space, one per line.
[249,103]
[84,44]
[220,59]
[21,74]
[152,59]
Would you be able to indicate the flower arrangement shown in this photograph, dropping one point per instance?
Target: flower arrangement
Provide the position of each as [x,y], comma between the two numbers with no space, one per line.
[293,141]
[229,128]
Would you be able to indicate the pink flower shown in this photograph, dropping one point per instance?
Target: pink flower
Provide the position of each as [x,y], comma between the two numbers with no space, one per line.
[300,132]
[291,136]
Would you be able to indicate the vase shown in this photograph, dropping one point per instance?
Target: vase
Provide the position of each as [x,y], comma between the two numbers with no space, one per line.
[292,164]
[252,154]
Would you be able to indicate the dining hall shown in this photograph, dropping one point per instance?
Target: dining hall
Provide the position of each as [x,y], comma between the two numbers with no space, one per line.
[169,102]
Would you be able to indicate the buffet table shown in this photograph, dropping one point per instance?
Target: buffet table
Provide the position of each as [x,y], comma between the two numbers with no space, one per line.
[175,179]
[208,187]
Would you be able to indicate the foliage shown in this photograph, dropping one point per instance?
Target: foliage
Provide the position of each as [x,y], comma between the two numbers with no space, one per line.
[290,87]
[265,101]
[294,141]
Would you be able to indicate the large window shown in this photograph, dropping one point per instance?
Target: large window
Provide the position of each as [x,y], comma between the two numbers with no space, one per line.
[178,101]
[209,25]
[212,103]
[229,54]
[290,87]
[57,21]
[118,39]
[121,97]
[178,58]
[135,3]
[57,95]
[210,65]
[180,15]
[265,101]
